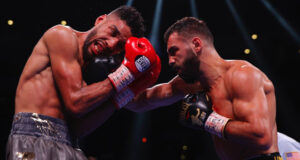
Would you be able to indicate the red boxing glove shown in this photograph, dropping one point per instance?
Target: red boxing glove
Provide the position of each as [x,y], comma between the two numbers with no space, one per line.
[148,79]
[139,57]
[139,85]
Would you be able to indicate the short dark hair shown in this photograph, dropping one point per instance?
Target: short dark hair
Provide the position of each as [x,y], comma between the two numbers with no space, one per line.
[132,18]
[189,26]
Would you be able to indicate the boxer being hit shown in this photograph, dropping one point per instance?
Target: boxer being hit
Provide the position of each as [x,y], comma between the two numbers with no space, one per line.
[53,103]
[231,99]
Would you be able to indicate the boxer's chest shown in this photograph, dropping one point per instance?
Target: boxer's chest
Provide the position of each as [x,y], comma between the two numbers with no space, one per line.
[221,100]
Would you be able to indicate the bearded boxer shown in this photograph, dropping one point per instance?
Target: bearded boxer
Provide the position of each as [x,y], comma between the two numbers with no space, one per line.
[231,99]
[52,97]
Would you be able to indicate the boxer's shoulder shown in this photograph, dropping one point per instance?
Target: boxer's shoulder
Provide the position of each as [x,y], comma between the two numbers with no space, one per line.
[61,38]
[60,29]
[240,65]
[243,76]
[242,69]
[60,33]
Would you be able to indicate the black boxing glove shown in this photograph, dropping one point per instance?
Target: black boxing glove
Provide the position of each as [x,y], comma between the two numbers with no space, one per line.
[196,112]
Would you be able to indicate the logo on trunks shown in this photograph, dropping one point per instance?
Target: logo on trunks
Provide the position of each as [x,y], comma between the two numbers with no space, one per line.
[142,63]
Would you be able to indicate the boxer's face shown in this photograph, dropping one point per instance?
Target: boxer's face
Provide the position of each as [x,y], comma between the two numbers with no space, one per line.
[107,38]
[182,58]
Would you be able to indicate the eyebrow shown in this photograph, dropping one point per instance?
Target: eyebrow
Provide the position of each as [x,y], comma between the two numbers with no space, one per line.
[171,49]
[122,42]
[115,29]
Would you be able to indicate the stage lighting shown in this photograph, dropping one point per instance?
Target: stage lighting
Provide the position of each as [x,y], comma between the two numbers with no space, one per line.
[63,22]
[282,21]
[193,7]
[144,139]
[154,34]
[10,22]
[258,59]
[182,157]
[247,51]
[254,36]
[184,147]
[129,2]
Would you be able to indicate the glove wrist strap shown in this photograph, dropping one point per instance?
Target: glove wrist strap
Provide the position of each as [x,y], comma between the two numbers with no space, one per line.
[123,97]
[121,78]
[215,124]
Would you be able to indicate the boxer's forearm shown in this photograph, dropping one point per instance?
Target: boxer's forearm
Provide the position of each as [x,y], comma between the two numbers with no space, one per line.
[91,121]
[152,98]
[155,97]
[163,95]
[89,97]
[245,133]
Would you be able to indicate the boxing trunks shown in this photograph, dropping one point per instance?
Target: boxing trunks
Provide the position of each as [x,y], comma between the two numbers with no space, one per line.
[289,148]
[40,137]
[270,156]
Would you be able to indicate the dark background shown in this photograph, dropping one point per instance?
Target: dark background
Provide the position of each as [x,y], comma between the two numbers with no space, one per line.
[276,53]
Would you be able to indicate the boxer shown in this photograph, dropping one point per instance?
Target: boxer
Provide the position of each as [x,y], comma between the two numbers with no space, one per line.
[52,97]
[231,99]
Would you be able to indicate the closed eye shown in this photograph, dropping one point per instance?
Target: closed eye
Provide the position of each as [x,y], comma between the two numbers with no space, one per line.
[172,50]
[114,31]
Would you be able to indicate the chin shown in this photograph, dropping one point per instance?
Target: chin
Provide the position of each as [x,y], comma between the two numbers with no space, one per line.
[188,79]
[88,57]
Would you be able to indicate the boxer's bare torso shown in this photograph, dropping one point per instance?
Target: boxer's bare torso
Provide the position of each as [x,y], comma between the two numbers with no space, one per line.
[243,93]
[51,83]
[259,105]
[37,91]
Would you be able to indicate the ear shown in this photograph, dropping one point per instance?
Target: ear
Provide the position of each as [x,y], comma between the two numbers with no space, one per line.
[100,19]
[197,44]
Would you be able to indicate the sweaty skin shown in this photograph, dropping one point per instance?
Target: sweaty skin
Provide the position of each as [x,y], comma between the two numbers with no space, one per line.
[51,82]
[238,90]
[246,96]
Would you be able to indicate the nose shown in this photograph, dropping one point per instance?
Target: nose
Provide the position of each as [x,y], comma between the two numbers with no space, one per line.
[171,60]
[113,43]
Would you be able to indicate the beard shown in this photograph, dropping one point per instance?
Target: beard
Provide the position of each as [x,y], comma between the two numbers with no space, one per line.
[87,57]
[190,69]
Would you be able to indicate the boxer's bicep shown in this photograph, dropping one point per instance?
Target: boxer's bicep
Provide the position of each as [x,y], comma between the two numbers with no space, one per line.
[62,49]
[252,110]
[250,123]
[249,101]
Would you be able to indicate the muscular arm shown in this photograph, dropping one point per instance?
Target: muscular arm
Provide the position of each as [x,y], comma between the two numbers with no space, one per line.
[89,122]
[63,50]
[254,117]
[162,95]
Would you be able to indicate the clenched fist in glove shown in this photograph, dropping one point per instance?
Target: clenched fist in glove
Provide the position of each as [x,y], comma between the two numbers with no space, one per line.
[139,85]
[196,112]
[140,56]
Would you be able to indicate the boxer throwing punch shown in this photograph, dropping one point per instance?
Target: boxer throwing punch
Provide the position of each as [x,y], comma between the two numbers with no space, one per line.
[231,99]
[52,98]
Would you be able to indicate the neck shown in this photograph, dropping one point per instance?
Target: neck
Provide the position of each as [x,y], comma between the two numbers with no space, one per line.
[212,67]
[81,39]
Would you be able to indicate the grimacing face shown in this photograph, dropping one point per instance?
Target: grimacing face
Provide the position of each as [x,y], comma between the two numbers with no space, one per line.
[182,58]
[107,38]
